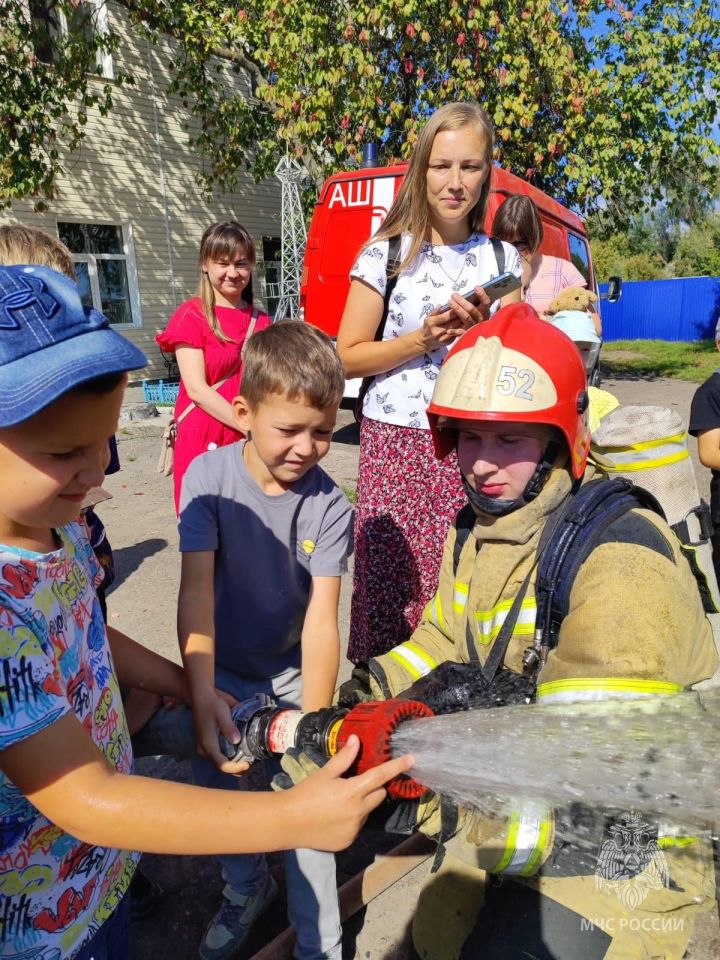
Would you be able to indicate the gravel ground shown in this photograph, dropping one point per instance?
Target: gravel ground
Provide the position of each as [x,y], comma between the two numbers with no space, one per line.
[142,529]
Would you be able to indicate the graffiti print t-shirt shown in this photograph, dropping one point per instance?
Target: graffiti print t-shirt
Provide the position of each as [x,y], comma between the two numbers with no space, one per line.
[55,891]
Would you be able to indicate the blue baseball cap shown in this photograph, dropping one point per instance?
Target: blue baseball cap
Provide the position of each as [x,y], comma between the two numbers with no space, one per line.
[51,343]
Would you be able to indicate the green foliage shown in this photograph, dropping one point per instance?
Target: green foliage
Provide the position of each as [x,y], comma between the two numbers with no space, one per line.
[615,257]
[591,99]
[698,250]
[660,358]
[48,83]
[635,254]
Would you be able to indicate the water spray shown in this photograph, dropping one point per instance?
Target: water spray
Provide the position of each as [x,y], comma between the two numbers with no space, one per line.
[267,730]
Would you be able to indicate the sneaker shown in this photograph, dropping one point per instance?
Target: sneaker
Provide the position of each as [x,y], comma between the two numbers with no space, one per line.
[231,925]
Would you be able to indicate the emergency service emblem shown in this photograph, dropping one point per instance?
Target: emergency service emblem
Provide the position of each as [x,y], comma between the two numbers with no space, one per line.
[630,861]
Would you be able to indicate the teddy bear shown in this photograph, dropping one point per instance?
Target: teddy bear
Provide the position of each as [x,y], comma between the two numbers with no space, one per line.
[572,298]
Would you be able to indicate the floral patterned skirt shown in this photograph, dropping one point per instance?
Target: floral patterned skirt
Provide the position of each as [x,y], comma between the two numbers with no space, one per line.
[406,501]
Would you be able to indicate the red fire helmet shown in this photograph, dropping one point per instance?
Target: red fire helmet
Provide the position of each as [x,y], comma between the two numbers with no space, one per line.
[513,368]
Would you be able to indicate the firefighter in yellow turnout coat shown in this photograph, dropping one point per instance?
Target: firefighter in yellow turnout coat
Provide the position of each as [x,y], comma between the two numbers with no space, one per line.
[511,396]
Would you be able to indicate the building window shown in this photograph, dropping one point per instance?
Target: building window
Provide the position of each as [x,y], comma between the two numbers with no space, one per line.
[105,267]
[580,256]
[88,18]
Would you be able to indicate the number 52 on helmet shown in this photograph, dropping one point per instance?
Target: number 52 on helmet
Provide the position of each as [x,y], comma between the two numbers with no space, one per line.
[514,368]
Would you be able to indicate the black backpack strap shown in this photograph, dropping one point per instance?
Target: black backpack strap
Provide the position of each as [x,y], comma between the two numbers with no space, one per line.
[595,507]
[391,274]
[464,522]
[499,251]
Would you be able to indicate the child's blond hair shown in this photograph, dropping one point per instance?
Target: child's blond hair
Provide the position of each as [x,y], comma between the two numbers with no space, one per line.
[295,359]
[20,245]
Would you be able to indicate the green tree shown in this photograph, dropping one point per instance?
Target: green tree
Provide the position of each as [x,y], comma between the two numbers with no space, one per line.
[618,255]
[590,99]
[698,250]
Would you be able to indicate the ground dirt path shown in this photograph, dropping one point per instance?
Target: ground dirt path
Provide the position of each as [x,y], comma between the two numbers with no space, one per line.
[142,529]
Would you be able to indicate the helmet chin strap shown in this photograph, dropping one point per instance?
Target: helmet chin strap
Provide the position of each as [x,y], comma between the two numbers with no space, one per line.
[494,507]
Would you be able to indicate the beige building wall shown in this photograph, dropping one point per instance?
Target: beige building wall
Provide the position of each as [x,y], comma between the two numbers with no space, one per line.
[135,169]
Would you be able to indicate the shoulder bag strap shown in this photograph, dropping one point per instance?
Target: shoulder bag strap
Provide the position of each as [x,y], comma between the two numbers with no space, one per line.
[250,331]
[391,273]
[216,386]
[499,250]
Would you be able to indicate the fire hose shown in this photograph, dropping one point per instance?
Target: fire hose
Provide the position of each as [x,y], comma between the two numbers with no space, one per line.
[267,730]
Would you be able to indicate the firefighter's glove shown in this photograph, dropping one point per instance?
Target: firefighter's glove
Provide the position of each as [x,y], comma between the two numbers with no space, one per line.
[463,686]
[432,815]
[357,689]
[297,765]
[407,816]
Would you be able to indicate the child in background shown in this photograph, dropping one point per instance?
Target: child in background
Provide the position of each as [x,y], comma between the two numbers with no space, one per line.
[265,535]
[705,425]
[580,328]
[70,813]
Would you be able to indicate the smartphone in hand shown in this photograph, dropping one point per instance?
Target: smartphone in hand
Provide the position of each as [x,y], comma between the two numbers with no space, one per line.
[495,288]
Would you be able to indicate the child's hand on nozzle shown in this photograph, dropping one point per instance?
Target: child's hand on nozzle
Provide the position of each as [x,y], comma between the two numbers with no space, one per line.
[328,810]
[211,716]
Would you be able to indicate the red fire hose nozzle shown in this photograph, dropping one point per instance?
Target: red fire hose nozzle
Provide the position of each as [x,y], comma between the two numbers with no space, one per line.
[374,725]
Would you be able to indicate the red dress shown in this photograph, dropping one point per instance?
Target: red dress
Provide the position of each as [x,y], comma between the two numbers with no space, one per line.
[187,326]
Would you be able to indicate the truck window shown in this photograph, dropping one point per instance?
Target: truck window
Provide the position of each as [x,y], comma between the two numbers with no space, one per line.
[580,256]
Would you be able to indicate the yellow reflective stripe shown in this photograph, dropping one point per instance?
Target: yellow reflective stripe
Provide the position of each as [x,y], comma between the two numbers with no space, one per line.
[647,455]
[490,622]
[510,843]
[460,595]
[653,444]
[666,842]
[413,659]
[433,611]
[526,842]
[603,688]
[633,466]
[540,848]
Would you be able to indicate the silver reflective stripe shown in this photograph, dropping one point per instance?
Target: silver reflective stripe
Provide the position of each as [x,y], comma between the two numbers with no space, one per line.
[581,689]
[413,659]
[460,595]
[489,622]
[647,455]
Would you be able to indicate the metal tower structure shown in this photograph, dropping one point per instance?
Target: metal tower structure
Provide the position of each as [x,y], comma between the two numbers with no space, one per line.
[294,236]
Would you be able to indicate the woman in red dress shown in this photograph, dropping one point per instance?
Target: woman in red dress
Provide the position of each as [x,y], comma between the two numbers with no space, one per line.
[207,335]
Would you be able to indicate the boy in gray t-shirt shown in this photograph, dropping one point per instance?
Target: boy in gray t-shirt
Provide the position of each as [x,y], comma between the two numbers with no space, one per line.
[265,535]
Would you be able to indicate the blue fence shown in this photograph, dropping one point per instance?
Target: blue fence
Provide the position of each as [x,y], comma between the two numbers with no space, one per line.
[683,309]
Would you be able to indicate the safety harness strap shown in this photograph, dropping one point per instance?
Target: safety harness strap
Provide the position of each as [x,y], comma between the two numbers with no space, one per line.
[594,508]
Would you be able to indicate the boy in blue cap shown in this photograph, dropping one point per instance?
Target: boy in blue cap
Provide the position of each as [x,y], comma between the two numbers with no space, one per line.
[69,812]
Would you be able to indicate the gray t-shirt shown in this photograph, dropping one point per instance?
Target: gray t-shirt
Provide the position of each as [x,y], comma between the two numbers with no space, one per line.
[267,549]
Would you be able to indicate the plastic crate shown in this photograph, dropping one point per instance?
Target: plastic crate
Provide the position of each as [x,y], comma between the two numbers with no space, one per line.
[160,391]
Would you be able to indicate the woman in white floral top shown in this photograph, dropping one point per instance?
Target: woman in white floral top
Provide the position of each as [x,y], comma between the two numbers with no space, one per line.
[406,498]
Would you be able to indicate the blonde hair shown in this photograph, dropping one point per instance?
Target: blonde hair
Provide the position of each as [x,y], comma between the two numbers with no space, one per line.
[294,359]
[409,211]
[518,219]
[222,240]
[20,244]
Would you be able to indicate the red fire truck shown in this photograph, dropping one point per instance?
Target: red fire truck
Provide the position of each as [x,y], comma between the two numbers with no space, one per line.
[351,207]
